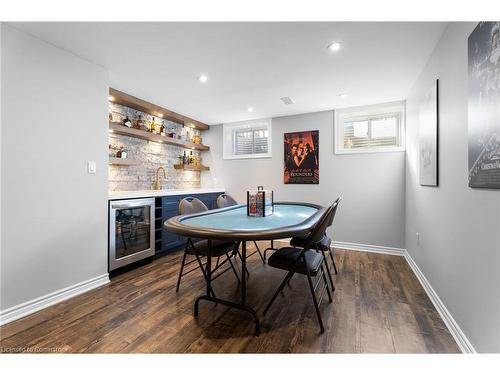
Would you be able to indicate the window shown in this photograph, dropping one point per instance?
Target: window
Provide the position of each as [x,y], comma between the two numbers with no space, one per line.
[247,139]
[376,128]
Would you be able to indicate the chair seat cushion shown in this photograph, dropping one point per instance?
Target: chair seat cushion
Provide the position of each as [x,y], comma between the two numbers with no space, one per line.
[286,259]
[324,244]
[218,247]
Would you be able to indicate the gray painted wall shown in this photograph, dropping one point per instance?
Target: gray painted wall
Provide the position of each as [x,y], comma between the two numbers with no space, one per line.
[371,185]
[459,250]
[54,214]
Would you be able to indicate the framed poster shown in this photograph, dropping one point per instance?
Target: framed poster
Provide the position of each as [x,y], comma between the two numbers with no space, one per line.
[428,121]
[484,106]
[301,150]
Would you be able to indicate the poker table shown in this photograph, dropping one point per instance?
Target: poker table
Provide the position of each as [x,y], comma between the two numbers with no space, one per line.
[289,219]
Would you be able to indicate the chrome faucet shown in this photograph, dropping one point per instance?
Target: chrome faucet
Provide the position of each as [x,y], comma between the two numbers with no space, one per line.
[157,183]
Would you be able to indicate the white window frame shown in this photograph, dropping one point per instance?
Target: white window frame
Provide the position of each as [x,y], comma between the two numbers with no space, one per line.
[229,129]
[357,113]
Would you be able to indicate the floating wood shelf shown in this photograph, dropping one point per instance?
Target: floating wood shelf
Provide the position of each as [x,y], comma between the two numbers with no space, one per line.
[192,167]
[125,162]
[117,128]
[130,101]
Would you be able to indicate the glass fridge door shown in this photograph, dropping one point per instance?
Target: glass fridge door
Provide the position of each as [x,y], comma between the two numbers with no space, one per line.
[131,231]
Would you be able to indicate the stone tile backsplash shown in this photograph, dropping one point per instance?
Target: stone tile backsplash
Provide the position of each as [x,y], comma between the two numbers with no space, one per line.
[151,155]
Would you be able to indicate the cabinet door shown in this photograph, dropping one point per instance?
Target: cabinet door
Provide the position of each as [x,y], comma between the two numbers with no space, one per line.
[170,240]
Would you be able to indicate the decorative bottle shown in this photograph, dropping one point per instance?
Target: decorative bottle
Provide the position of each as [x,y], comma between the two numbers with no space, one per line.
[127,122]
[162,128]
[152,126]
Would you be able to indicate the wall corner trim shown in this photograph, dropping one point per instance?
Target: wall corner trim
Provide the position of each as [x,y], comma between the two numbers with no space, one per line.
[458,335]
[37,304]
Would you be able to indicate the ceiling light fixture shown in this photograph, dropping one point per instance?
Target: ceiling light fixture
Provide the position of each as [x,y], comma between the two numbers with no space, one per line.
[160,114]
[202,78]
[111,98]
[335,46]
[250,109]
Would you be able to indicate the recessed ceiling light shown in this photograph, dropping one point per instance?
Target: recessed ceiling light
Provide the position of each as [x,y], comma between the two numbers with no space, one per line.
[334,47]
[250,109]
[202,78]
[160,114]
[343,95]
[111,98]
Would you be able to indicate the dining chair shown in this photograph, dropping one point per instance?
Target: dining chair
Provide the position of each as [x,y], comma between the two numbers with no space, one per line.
[225,200]
[306,262]
[200,249]
[324,245]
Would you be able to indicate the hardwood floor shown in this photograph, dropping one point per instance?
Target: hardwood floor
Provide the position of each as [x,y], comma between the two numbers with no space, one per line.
[378,306]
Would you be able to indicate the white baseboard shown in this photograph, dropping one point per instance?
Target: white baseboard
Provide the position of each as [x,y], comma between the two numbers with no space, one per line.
[458,335]
[460,338]
[369,248]
[27,308]
[361,247]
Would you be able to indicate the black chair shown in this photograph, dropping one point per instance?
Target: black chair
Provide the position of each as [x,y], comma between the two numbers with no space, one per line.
[201,248]
[305,262]
[225,200]
[325,244]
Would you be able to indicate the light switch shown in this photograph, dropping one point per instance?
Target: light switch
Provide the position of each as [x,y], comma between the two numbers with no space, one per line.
[91,167]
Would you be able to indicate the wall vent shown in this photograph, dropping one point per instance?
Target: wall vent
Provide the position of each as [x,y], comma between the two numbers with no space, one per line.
[287,100]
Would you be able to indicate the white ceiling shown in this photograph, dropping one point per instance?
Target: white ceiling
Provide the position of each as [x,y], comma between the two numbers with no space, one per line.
[251,64]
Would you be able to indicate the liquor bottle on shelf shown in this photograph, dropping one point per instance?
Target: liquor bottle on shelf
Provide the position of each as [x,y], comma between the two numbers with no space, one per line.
[152,126]
[111,152]
[162,128]
[184,159]
[191,158]
[139,124]
[127,122]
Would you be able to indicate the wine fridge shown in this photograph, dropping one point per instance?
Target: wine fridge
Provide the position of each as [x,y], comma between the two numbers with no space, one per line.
[131,231]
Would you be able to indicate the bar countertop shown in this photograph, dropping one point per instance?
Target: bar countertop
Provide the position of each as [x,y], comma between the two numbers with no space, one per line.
[161,193]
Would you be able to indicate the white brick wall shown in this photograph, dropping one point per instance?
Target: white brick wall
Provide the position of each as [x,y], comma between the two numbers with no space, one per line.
[151,155]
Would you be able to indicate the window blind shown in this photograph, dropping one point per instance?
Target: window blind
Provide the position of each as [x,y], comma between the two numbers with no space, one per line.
[251,141]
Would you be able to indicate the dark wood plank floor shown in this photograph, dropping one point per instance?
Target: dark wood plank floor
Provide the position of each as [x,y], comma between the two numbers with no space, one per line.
[379,306]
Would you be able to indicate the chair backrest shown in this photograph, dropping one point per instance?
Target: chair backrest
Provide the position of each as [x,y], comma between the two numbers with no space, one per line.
[191,205]
[319,229]
[225,200]
[334,211]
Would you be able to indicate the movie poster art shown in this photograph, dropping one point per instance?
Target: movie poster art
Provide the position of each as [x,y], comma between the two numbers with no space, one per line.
[302,157]
[484,106]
